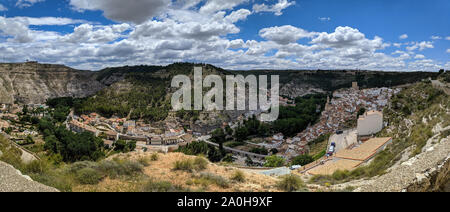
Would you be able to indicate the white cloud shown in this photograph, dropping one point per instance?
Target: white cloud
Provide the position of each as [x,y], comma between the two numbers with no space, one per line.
[434,37]
[404,36]
[27,3]
[136,11]
[15,29]
[277,8]
[398,45]
[448,50]
[284,34]
[3,8]
[41,21]
[419,56]
[87,33]
[324,19]
[447,38]
[182,31]
[236,44]
[212,6]
[347,37]
[420,45]
[238,15]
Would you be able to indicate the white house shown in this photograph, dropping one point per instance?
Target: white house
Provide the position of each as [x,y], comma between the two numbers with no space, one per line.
[370,123]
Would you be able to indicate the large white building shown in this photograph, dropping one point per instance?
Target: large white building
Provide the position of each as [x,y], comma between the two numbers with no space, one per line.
[370,123]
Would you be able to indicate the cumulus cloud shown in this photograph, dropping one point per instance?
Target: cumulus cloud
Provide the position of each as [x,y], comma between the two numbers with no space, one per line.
[419,56]
[238,15]
[347,37]
[448,50]
[136,11]
[284,34]
[277,8]
[212,6]
[87,33]
[404,36]
[447,38]
[15,29]
[183,31]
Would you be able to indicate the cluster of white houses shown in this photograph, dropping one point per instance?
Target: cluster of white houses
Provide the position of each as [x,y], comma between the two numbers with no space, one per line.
[156,140]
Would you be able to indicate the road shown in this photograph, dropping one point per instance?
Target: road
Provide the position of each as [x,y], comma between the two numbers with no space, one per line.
[345,139]
[27,156]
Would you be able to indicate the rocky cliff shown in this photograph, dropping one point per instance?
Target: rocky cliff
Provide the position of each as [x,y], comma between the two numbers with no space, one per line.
[34,83]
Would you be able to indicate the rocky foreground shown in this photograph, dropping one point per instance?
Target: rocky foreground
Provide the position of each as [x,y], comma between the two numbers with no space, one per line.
[426,172]
[11,180]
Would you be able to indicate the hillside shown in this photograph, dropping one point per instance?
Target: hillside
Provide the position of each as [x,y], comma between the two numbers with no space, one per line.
[34,83]
[161,175]
[298,83]
[144,92]
[133,89]
[131,172]
[418,158]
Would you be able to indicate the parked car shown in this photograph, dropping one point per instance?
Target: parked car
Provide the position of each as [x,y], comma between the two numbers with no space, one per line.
[339,132]
[295,167]
[332,149]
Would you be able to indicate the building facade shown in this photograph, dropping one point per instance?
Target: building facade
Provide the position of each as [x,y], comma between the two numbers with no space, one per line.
[370,123]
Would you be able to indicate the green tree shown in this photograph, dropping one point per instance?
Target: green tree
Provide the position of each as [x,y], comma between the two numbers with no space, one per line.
[302,160]
[218,136]
[274,161]
[241,134]
[361,111]
[124,146]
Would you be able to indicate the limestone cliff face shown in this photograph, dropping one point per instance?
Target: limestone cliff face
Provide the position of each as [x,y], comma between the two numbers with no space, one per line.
[435,179]
[33,83]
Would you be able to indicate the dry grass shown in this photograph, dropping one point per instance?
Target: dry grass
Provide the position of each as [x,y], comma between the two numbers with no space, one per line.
[210,178]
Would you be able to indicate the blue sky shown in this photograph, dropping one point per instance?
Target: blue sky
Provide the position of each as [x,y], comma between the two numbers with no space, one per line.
[393,35]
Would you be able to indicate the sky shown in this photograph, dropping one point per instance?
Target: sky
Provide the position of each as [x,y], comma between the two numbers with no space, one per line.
[389,35]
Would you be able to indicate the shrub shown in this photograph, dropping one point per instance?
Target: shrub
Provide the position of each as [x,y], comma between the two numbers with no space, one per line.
[302,160]
[145,161]
[238,176]
[185,165]
[88,176]
[228,158]
[162,186]
[131,168]
[290,183]
[75,167]
[36,167]
[200,163]
[118,168]
[197,164]
[215,179]
[340,174]
[154,157]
